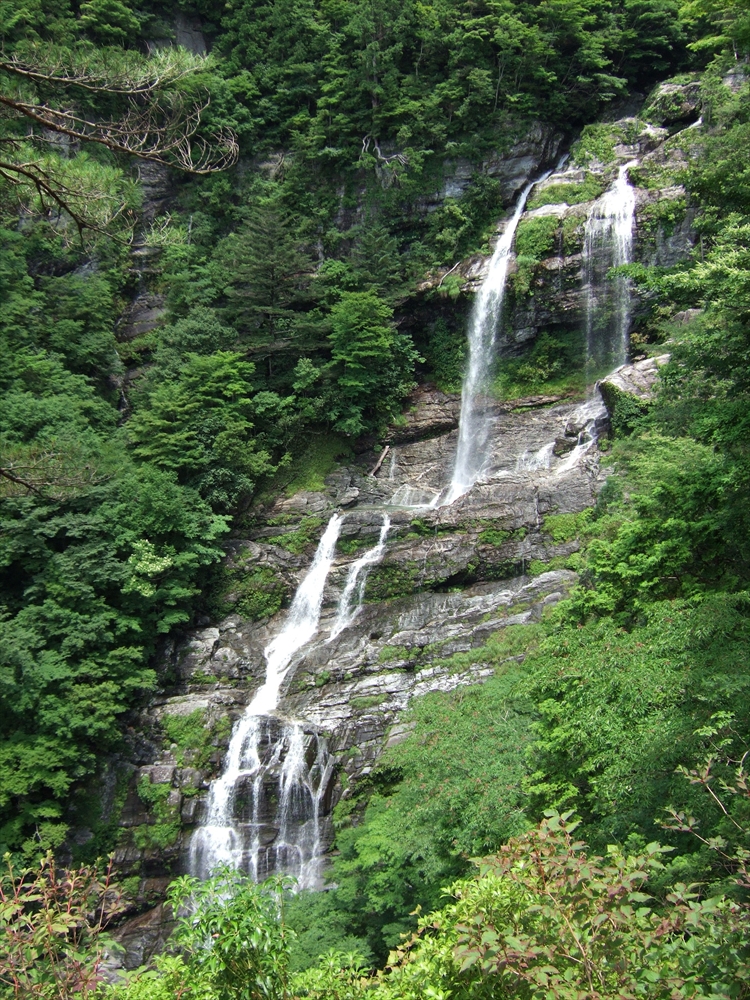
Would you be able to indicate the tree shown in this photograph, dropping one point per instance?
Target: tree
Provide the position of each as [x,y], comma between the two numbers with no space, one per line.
[71,93]
[200,427]
[271,276]
[372,362]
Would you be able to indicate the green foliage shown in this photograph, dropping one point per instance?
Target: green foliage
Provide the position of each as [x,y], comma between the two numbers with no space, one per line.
[301,538]
[165,828]
[625,409]
[553,364]
[271,272]
[535,237]
[255,593]
[564,527]
[597,144]
[545,918]
[199,426]
[569,193]
[193,737]
[51,921]
[450,791]
[494,536]
[231,937]
[444,353]
[391,580]
[620,710]
[372,362]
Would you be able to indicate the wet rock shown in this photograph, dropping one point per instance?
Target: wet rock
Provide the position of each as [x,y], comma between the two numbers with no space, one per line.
[142,937]
[189,33]
[564,445]
[686,316]
[348,497]
[145,313]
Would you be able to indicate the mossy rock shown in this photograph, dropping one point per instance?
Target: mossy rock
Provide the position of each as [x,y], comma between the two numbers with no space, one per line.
[391,580]
[624,409]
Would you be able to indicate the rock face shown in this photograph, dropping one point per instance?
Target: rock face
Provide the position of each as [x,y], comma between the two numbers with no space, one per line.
[450,577]
[673,104]
[428,413]
[513,169]
[546,290]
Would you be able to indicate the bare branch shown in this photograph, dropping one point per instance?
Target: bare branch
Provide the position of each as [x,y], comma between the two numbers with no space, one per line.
[161,132]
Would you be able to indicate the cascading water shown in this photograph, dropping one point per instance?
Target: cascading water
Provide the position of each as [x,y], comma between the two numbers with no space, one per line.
[242,827]
[609,243]
[354,588]
[475,421]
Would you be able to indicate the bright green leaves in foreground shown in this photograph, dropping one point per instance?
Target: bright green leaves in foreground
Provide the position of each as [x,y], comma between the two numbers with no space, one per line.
[542,918]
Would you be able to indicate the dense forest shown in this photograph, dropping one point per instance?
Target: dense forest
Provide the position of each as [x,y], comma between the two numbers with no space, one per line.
[600,772]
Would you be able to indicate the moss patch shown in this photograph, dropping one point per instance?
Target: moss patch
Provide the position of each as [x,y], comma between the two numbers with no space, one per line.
[497,536]
[553,366]
[564,527]
[598,142]
[194,737]
[535,238]
[165,829]
[254,594]
[392,580]
[308,469]
[369,701]
[624,408]
[298,540]
[573,193]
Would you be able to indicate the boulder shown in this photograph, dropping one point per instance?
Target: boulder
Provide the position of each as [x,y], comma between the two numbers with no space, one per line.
[673,103]
[629,390]
[639,379]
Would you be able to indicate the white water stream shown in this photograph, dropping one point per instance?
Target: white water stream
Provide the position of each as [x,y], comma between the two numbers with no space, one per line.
[608,243]
[238,830]
[355,583]
[475,420]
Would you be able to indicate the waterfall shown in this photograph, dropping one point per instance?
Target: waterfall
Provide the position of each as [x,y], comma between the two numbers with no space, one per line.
[475,421]
[242,827]
[356,580]
[609,243]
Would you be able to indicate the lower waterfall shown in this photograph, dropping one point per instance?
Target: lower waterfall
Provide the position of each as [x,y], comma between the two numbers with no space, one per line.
[270,758]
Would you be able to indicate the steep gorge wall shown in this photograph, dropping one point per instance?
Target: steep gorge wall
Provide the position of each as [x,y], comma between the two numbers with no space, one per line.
[451,576]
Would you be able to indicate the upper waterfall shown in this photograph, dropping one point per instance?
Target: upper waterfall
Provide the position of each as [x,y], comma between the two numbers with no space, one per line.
[475,422]
[609,243]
